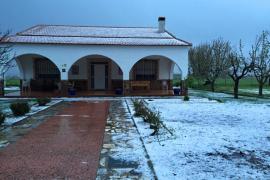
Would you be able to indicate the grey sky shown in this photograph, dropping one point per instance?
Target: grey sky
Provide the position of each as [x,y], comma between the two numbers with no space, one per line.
[193,20]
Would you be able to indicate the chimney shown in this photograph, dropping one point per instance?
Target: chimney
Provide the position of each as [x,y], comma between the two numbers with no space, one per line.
[161,24]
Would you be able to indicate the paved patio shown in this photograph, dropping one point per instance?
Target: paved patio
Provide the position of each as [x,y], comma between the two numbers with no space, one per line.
[90,94]
[66,146]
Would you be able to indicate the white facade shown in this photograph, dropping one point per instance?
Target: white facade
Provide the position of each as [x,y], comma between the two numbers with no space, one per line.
[64,56]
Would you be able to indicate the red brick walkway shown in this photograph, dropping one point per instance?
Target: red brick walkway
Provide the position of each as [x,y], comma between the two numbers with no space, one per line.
[66,145]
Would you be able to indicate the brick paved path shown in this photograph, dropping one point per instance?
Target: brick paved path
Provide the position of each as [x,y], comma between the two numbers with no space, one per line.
[65,146]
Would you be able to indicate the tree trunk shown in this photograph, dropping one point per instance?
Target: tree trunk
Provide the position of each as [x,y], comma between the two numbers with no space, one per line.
[2,88]
[260,89]
[235,88]
[212,86]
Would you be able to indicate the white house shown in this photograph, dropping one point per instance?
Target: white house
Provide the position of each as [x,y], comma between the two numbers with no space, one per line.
[93,59]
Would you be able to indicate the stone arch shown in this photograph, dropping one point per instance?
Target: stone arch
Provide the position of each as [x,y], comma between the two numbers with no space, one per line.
[158,58]
[157,70]
[82,73]
[40,71]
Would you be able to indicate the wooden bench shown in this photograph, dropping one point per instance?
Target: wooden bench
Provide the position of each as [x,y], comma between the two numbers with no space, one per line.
[143,84]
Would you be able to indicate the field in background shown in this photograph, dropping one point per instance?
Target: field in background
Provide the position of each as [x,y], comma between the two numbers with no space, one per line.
[247,87]
[12,82]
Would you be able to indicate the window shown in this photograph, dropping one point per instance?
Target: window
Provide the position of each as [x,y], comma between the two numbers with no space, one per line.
[44,68]
[146,70]
[75,70]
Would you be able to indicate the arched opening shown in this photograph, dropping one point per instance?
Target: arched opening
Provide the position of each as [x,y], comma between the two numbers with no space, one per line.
[154,75]
[96,74]
[39,72]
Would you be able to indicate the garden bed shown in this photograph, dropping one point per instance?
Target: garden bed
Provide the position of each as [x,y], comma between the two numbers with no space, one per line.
[35,108]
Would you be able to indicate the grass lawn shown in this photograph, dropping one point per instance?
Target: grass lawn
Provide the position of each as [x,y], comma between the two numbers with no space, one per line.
[247,87]
[12,82]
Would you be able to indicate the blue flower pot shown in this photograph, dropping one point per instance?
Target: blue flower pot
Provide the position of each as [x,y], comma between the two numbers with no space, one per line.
[176,91]
[72,92]
[118,91]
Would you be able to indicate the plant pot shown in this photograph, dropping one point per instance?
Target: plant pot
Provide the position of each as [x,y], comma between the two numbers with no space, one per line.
[72,92]
[119,91]
[176,91]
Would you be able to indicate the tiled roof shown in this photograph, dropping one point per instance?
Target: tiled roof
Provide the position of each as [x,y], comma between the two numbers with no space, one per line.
[89,35]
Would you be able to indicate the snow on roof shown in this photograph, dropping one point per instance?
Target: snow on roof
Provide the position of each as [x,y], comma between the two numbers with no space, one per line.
[90,35]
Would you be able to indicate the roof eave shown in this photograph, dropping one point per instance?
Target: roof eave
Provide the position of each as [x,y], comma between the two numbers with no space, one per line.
[98,44]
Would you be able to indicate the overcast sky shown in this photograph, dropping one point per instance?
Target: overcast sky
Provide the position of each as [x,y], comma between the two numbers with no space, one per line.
[193,20]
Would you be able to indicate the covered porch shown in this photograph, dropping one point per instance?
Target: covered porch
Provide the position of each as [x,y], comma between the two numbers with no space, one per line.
[97,75]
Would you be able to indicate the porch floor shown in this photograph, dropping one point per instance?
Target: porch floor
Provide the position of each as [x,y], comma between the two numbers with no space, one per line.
[90,93]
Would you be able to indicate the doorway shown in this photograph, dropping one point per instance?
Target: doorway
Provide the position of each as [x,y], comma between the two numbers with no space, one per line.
[99,76]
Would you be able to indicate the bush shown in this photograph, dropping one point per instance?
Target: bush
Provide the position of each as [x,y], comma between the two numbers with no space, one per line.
[186,98]
[177,83]
[2,118]
[19,108]
[190,82]
[43,101]
[139,107]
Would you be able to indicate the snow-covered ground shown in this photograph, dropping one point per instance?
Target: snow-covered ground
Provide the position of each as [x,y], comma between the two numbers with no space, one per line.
[255,91]
[12,88]
[10,119]
[211,140]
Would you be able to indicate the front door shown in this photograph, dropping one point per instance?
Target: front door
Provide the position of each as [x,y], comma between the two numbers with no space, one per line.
[99,76]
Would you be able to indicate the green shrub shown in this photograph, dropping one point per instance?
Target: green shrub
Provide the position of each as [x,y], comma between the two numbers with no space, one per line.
[139,108]
[176,83]
[2,118]
[43,101]
[19,108]
[190,81]
[186,98]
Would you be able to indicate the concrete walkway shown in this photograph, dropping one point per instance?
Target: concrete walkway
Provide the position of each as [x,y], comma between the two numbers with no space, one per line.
[66,146]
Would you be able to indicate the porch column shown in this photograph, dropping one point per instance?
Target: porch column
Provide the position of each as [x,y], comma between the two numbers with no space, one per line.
[126,85]
[64,84]
[184,88]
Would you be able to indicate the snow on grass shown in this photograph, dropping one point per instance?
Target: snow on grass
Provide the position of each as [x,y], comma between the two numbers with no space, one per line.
[12,88]
[212,140]
[10,119]
[255,91]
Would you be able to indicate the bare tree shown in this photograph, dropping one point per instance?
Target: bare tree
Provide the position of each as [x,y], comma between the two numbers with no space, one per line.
[209,61]
[219,63]
[6,59]
[199,61]
[239,68]
[260,57]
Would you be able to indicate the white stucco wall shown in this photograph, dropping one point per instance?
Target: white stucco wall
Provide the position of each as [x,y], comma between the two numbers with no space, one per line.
[115,71]
[165,69]
[125,56]
[83,66]
[25,64]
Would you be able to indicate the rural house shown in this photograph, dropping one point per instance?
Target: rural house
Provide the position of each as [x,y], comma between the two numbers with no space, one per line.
[95,60]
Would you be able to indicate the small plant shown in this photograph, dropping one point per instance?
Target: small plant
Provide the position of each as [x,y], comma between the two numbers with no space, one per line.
[19,108]
[43,101]
[150,116]
[176,84]
[2,118]
[186,98]
[139,107]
